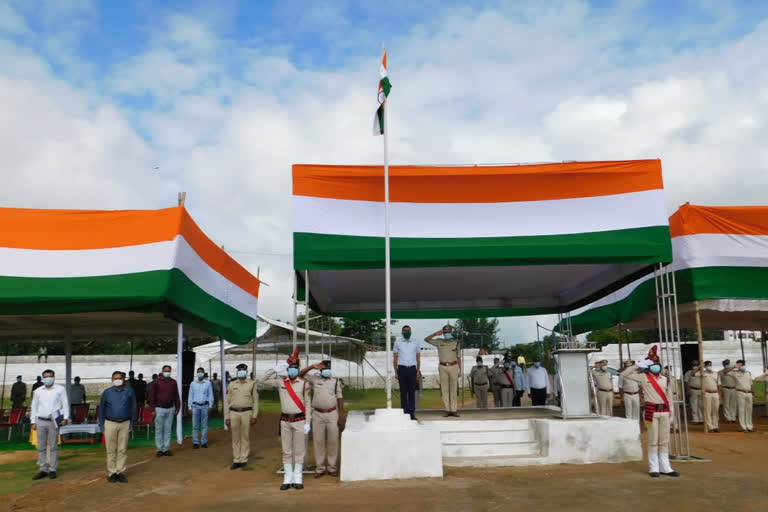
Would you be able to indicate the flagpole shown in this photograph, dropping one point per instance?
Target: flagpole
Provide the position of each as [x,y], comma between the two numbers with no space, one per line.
[387,262]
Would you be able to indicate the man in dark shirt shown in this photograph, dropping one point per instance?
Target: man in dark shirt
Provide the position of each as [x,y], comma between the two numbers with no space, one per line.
[165,402]
[18,393]
[140,389]
[117,414]
[37,384]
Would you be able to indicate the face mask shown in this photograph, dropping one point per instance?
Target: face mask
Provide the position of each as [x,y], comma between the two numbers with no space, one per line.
[241,374]
[117,383]
[743,368]
[708,368]
[480,363]
[513,364]
[200,376]
[506,365]
[407,335]
[536,365]
[18,380]
[655,368]
[293,372]
[447,335]
[325,373]
[167,375]
[48,381]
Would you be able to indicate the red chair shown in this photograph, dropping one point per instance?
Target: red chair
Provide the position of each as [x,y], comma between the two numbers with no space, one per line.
[15,418]
[80,413]
[144,419]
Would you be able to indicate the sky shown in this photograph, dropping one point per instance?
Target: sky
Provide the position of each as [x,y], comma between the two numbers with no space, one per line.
[223,97]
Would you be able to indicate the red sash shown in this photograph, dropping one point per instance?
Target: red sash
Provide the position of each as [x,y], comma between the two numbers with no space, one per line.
[506,374]
[657,388]
[293,396]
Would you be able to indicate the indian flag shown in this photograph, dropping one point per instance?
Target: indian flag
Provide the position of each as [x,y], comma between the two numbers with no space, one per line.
[384,88]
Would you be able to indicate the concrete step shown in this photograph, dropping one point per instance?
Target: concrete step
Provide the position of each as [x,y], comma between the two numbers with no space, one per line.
[494,461]
[482,425]
[487,436]
[491,450]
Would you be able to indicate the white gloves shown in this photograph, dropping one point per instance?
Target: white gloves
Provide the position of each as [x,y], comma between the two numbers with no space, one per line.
[307,428]
[281,368]
[645,364]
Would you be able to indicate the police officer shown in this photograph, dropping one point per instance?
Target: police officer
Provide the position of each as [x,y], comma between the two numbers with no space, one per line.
[693,383]
[327,416]
[241,408]
[604,384]
[505,380]
[295,418]
[496,368]
[743,380]
[711,389]
[480,378]
[18,393]
[449,369]
[729,393]
[630,392]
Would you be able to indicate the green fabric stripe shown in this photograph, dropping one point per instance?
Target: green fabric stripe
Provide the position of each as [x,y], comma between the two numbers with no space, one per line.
[386,85]
[342,252]
[169,292]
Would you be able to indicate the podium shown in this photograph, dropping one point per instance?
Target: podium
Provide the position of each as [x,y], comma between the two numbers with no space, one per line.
[574,373]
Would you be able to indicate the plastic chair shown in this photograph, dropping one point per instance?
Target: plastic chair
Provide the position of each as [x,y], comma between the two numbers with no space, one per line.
[14,419]
[80,413]
[144,419]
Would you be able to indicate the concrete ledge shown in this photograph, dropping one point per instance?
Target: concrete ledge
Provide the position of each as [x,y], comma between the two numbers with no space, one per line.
[588,441]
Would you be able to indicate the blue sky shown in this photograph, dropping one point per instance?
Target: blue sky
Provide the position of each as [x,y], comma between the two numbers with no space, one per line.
[224,96]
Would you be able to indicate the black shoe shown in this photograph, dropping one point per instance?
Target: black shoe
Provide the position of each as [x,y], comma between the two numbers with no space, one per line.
[205,445]
[654,475]
[298,486]
[671,473]
[112,478]
[121,478]
[168,453]
[285,487]
[235,465]
[159,454]
[243,465]
[40,475]
[52,475]
[195,446]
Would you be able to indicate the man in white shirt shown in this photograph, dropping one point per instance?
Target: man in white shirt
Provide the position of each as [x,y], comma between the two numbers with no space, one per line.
[407,362]
[537,383]
[49,403]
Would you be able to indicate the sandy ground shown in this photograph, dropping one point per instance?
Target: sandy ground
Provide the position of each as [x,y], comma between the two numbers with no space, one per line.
[200,479]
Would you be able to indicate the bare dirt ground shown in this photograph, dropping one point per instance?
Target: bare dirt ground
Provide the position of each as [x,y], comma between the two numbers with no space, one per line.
[201,480]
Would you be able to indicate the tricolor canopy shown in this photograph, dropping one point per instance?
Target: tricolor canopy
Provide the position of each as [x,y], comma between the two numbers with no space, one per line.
[720,260]
[492,240]
[83,273]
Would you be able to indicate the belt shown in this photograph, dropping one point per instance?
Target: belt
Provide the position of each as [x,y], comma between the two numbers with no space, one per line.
[200,403]
[171,406]
[658,407]
[324,410]
[483,384]
[506,386]
[241,409]
[292,418]
[605,390]
[631,392]
[708,391]
[40,418]
[743,390]
[118,421]
[697,389]
[449,364]
[727,387]
[404,366]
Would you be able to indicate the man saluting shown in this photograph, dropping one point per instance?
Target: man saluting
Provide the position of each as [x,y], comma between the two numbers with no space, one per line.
[450,367]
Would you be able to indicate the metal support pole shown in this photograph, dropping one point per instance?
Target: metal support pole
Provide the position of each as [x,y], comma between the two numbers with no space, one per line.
[179,374]
[130,365]
[223,378]
[621,351]
[701,363]
[306,314]
[387,266]
[741,342]
[295,306]
[5,374]
[68,364]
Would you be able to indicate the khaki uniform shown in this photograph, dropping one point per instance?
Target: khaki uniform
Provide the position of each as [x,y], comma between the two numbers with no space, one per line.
[291,432]
[481,380]
[729,395]
[694,385]
[743,381]
[631,393]
[241,404]
[604,385]
[448,353]
[710,383]
[505,386]
[497,368]
[325,421]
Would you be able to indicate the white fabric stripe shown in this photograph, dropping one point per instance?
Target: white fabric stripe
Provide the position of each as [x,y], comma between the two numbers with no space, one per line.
[700,251]
[475,220]
[127,260]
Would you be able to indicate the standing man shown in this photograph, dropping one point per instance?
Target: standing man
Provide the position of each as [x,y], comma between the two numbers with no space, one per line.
[710,386]
[657,392]
[117,415]
[506,382]
[693,382]
[200,400]
[327,416]
[729,393]
[744,393]
[537,383]
[630,391]
[77,393]
[407,361]
[18,392]
[216,383]
[496,368]
[150,384]
[165,403]
[295,418]
[132,381]
[604,384]
[49,404]
[519,378]
[140,390]
[480,379]
[449,369]
[38,383]
[241,408]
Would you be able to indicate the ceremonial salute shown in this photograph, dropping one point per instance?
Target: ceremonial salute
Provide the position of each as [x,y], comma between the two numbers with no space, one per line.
[49,404]
[710,385]
[295,418]
[480,378]
[729,393]
[327,416]
[630,391]
[406,356]
[496,368]
[18,393]
[241,408]
[744,394]
[692,381]
[449,369]
[657,392]
[604,385]
[200,401]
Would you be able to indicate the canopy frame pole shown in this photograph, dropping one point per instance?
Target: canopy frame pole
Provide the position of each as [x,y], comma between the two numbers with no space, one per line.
[5,373]
[741,343]
[621,350]
[68,364]
[295,308]
[306,314]
[700,336]
[223,378]
[179,374]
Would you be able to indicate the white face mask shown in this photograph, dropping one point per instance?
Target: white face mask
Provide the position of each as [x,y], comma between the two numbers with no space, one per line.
[117,383]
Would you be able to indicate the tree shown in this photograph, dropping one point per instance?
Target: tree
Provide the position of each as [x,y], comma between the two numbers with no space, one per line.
[482,332]
[369,331]
[321,324]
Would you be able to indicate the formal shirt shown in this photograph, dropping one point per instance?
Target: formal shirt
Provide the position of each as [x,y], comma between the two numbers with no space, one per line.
[165,394]
[727,379]
[325,391]
[537,378]
[117,405]
[710,381]
[649,391]
[603,380]
[200,393]
[406,351]
[242,395]
[628,385]
[447,350]
[49,403]
[693,381]
[287,404]
[480,375]
[519,378]
[742,379]
[77,394]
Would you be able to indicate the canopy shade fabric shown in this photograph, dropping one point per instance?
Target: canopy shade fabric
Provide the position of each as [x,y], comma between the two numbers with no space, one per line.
[720,259]
[82,273]
[493,240]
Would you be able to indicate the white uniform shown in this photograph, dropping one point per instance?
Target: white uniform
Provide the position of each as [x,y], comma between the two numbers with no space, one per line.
[631,394]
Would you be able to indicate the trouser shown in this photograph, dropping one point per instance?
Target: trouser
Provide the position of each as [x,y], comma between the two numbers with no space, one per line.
[406,377]
[605,399]
[743,410]
[632,406]
[240,424]
[507,397]
[481,395]
[730,401]
[696,415]
[539,396]
[658,443]
[518,397]
[200,422]
[496,395]
[47,445]
[711,410]
[116,437]
[292,434]
[325,435]
[163,426]
[18,403]
[449,386]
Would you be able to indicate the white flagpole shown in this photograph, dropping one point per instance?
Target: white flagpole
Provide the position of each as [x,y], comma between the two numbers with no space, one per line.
[387,262]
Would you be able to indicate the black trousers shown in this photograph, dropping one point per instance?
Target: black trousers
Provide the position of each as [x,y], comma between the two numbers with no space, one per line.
[539,396]
[516,399]
[406,376]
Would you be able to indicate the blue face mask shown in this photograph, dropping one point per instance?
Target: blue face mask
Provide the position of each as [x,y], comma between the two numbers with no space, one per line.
[447,335]
[536,365]
[241,374]
[167,375]
[506,365]
[200,376]
[655,368]
[513,364]
[293,372]
[48,381]
[325,373]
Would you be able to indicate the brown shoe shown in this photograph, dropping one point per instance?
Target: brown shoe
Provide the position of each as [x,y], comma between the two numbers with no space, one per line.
[447,414]
[334,473]
[318,475]
[456,415]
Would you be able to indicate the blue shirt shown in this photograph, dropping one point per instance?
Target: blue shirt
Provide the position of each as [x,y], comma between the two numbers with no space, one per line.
[406,351]
[117,405]
[200,392]
[519,378]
